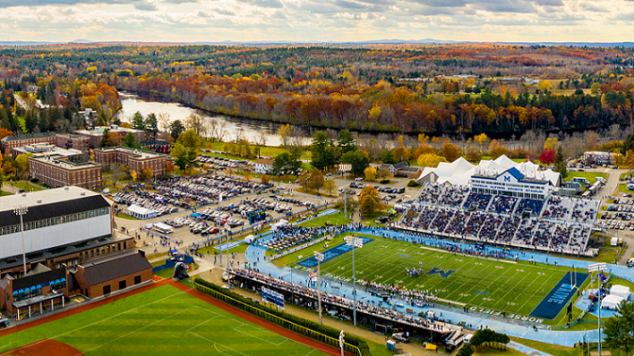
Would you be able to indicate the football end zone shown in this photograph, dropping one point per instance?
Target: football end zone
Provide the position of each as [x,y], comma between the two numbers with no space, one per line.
[559,296]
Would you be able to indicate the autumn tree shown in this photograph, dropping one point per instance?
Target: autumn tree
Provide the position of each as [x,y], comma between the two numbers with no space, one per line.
[330,187]
[197,123]
[133,175]
[265,179]
[316,181]
[401,154]
[284,132]
[496,150]
[369,201]
[370,174]
[430,160]
[473,154]
[147,174]
[450,151]
[548,156]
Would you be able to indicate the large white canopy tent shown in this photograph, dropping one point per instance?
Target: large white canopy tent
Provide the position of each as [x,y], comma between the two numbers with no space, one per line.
[459,172]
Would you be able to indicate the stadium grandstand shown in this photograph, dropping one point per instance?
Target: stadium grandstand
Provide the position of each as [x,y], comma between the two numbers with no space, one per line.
[504,203]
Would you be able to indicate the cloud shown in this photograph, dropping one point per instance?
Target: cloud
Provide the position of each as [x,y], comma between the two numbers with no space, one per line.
[276,4]
[224,12]
[145,6]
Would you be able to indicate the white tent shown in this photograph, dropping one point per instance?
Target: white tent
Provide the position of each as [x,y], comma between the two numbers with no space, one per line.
[611,301]
[278,225]
[459,172]
[140,212]
[621,291]
[249,239]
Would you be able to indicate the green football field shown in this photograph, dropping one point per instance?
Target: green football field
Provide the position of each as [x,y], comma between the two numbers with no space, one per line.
[162,321]
[497,285]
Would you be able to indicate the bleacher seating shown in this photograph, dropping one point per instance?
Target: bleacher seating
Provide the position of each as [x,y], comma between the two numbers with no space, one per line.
[558,223]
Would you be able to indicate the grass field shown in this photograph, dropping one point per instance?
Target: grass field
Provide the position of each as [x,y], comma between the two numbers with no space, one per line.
[162,321]
[591,176]
[29,187]
[498,285]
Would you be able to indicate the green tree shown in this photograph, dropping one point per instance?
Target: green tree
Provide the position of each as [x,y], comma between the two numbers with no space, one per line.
[388,157]
[358,160]
[190,140]
[30,121]
[129,140]
[184,158]
[151,126]
[346,142]
[323,152]
[138,123]
[560,163]
[176,128]
[619,330]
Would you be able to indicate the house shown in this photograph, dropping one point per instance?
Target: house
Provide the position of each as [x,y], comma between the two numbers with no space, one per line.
[41,290]
[393,167]
[112,274]
[263,165]
[412,172]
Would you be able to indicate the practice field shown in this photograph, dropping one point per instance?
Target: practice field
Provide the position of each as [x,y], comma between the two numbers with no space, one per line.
[161,321]
[488,284]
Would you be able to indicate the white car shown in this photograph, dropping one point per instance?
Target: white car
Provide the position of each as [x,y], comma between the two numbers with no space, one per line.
[358,179]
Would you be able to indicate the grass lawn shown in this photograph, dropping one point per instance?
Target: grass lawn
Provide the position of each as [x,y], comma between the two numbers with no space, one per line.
[623,189]
[162,321]
[29,187]
[607,253]
[591,176]
[267,151]
[3,193]
[501,286]
[332,219]
[555,350]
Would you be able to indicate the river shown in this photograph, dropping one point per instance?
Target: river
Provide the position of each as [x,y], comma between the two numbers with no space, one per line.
[250,128]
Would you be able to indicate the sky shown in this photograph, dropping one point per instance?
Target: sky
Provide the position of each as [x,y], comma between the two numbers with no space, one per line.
[317,20]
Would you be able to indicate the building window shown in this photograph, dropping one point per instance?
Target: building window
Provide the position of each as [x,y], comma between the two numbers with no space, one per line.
[137,279]
[122,284]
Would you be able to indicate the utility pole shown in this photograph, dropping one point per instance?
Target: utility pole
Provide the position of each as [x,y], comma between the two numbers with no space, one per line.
[344,168]
[21,211]
[319,257]
[355,243]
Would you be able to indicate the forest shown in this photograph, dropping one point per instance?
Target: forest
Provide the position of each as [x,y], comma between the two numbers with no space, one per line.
[451,89]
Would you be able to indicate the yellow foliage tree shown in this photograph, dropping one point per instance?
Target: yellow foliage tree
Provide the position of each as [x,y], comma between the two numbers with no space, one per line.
[133,175]
[370,174]
[430,160]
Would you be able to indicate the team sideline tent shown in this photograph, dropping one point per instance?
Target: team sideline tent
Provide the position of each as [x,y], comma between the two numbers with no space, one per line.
[621,291]
[140,212]
[611,301]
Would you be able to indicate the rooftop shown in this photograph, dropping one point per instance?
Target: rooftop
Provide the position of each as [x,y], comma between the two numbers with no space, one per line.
[55,160]
[22,136]
[264,161]
[115,267]
[43,197]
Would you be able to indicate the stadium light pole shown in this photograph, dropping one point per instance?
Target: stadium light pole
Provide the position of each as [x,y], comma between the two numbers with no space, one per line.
[21,211]
[319,257]
[598,267]
[355,242]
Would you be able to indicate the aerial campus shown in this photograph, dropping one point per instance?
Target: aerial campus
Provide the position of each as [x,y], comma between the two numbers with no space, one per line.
[165,191]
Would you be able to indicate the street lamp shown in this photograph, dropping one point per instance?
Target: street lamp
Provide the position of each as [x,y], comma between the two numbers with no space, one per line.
[598,267]
[355,242]
[319,257]
[21,211]
[344,168]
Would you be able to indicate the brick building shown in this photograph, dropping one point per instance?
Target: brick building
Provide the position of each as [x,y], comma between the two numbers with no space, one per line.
[58,172]
[41,290]
[95,136]
[21,140]
[136,160]
[112,274]
[69,141]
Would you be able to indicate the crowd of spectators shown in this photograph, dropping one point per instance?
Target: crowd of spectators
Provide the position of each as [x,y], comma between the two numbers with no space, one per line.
[442,219]
[479,201]
[533,205]
[503,204]
[585,211]
[555,208]
[453,196]
[508,228]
